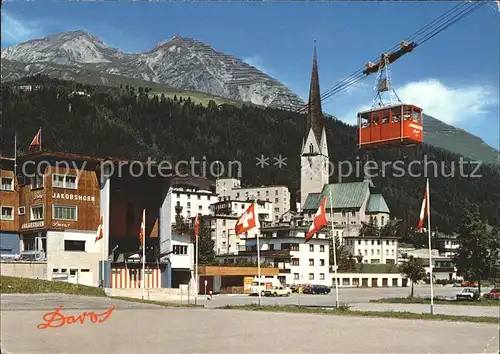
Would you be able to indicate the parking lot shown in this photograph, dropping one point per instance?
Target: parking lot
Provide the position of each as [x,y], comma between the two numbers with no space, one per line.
[141,328]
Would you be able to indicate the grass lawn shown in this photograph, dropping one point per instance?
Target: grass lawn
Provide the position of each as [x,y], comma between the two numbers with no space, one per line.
[423,300]
[15,285]
[347,312]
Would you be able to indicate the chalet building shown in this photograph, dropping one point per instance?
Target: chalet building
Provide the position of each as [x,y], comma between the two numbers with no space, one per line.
[54,206]
[9,212]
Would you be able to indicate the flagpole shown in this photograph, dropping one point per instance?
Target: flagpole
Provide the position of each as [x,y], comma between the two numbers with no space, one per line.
[15,156]
[196,270]
[430,244]
[143,251]
[334,254]
[103,259]
[258,249]
[40,138]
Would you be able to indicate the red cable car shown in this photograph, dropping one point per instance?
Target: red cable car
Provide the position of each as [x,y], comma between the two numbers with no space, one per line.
[393,124]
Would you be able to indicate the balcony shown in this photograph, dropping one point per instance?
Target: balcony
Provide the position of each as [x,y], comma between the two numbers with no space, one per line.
[267,253]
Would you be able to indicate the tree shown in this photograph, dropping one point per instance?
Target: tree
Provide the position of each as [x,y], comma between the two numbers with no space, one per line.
[478,251]
[413,269]
[345,261]
[206,255]
[370,228]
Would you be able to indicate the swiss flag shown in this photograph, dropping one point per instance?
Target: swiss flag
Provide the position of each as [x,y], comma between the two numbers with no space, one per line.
[424,209]
[36,140]
[196,226]
[142,232]
[319,220]
[99,233]
[246,221]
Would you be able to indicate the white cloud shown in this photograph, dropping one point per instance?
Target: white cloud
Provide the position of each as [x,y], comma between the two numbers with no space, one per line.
[451,104]
[15,30]
[256,61]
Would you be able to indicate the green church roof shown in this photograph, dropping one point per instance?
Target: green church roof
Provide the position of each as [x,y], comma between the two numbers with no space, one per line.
[345,195]
[377,204]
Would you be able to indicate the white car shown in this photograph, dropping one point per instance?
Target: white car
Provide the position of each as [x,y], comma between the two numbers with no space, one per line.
[278,291]
[468,294]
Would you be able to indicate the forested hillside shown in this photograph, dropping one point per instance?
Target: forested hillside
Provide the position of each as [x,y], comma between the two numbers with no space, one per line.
[128,123]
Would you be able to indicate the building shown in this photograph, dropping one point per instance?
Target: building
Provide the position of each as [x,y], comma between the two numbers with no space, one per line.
[442,267]
[190,196]
[447,245]
[223,218]
[278,195]
[9,209]
[283,247]
[373,249]
[314,158]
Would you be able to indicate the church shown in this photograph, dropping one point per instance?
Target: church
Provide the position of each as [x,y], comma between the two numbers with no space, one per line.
[352,203]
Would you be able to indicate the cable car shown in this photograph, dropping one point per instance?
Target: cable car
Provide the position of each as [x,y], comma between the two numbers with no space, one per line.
[390,125]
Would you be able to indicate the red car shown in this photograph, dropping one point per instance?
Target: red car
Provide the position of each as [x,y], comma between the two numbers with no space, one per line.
[494,294]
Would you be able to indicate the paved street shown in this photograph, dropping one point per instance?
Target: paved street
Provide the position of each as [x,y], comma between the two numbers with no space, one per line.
[138,328]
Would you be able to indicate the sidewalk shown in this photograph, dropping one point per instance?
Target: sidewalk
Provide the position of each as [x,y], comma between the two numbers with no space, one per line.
[454,310]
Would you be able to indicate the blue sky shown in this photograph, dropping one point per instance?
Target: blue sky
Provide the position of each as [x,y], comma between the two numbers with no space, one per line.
[454,76]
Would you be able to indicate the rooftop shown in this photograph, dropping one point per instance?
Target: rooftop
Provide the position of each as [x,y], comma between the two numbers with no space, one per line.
[344,195]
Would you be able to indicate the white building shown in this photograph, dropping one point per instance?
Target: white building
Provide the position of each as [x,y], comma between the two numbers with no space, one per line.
[446,244]
[373,249]
[284,247]
[278,195]
[223,218]
[190,197]
[182,258]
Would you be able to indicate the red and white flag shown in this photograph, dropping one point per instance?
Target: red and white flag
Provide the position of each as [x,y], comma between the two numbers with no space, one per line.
[37,141]
[196,225]
[425,208]
[100,231]
[246,221]
[142,231]
[319,220]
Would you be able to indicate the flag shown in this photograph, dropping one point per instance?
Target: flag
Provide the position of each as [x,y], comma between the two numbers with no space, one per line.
[37,139]
[99,233]
[142,232]
[246,221]
[196,226]
[424,210]
[319,220]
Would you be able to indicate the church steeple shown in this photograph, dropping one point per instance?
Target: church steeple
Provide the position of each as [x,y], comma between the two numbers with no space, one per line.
[315,119]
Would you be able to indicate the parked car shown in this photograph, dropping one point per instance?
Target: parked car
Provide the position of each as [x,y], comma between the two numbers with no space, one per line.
[468,294]
[316,289]
[278,291]
[469,284]
[457,284]
[294,288]
[494,294]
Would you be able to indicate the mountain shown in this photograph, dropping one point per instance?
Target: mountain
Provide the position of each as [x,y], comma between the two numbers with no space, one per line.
[188,67]
[181,63]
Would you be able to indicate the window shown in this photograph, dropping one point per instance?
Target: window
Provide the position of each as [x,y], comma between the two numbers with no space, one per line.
[373,252]
[271,247]
[387,242]
[353,213]
[321,276]
[276,200]
[311,248]
[359,242]
[72,245]
[382,222]
[208,197]
[276,192]
[179,249]
[199,197]
[178,195]
[21,210]
[311,261]
[295,261]
[188,196]
[373,242]
[322,248]
[276,210]
[223,222]
[296,276]
[37,181]
[322,262]
[311,148]
[343,212]
[7,184]
[378,242]
[311,276]
[294,247]
[7,213]
[36,212]
[64,212]
[63,181]
[386,252]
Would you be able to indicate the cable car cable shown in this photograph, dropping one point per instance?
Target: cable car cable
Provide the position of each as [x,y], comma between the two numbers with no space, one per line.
[359,75]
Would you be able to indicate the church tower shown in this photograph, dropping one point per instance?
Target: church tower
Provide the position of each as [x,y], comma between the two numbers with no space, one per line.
[314,158]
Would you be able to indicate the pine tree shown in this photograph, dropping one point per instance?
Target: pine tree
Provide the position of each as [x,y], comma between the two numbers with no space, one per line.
[477,257]
[206,255]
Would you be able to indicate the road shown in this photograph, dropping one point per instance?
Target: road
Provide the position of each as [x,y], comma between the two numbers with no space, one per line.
[140,328]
